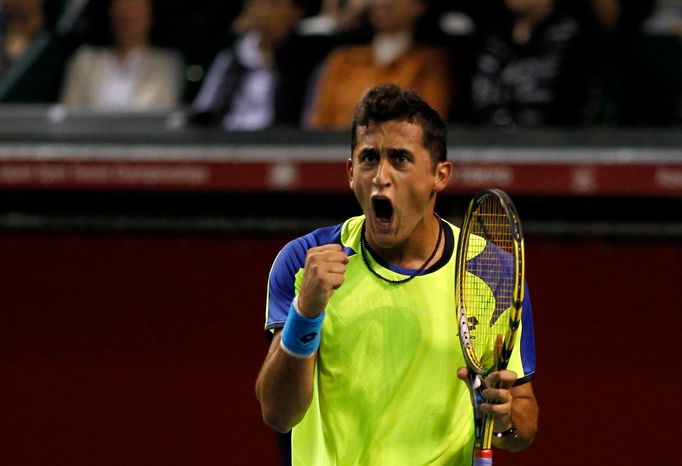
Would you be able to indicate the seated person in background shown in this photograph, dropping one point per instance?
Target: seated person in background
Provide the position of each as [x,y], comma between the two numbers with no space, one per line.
[336,16]
[130,75]
[258,81]
[31,59]
[621,15]
[21,22]
[531,70]
[393,56]
[665,18]
[640,79]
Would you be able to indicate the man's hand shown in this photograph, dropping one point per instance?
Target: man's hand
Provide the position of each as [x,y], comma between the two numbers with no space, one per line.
[322,275]
[496,390]
[511,405]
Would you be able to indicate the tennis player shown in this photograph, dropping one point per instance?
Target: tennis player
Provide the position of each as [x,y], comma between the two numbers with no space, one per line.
[365,366]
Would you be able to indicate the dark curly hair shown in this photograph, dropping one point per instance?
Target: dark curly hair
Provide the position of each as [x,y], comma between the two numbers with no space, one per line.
[388,102]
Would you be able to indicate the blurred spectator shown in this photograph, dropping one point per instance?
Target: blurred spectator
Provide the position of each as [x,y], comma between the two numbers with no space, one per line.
[531,69]
[130,74]
[22,22]
[640,74]
[666,18]
[463,23]
[31,60]
[626,15]
[336,16]
[396,54]
[259,80]
[204,30]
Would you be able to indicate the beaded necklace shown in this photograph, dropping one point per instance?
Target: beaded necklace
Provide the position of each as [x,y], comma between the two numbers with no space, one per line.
[363,253]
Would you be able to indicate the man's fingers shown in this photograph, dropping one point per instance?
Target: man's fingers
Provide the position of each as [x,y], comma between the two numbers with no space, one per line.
[497,395]
[336,258]
[336,267]
[336,279]
[325,267]
[327,254]
[501,379]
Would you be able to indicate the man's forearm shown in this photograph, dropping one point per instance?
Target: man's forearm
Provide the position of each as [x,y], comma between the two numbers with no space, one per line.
[284,387]
[525,418]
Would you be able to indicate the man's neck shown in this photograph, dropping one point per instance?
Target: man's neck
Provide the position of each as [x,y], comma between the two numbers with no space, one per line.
[388,46]
[419,247]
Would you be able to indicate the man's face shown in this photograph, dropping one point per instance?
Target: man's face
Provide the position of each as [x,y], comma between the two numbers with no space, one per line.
[394,180]
[21,8]
[395,15]
[525,6]
[275,18]
[131,20]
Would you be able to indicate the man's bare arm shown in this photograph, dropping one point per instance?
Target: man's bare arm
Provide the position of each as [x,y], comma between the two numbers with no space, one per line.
[524,417]
[285,383]
[284,387]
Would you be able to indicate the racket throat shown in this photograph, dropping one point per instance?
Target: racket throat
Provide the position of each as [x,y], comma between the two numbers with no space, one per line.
[483,457]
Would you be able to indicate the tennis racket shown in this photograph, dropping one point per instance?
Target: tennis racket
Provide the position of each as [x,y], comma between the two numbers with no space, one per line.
[489,285]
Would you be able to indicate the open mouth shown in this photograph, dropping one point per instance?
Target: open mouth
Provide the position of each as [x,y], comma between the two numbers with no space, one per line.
[383,209]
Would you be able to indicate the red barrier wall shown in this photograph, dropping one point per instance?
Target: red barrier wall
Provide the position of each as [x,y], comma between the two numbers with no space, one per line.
[143,350]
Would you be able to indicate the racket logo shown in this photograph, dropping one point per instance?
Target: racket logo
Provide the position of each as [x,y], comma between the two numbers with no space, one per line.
[305,339]
[464,328]
[472,322]
[467,327]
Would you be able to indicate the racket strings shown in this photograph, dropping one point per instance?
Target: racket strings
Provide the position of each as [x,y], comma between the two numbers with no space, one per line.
[489,281]
[489,292]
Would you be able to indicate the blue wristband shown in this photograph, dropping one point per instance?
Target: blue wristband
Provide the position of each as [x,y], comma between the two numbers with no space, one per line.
[301,335]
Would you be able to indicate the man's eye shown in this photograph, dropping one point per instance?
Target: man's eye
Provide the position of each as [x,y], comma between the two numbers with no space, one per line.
[401,157]
[369,156]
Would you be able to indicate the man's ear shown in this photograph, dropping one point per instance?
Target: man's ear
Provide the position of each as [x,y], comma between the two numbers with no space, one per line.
[349,171]
[441,177]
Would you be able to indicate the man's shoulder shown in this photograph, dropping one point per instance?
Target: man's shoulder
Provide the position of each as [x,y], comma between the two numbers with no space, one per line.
[320,236]
[163,56]
[89,53]
[351,54]
[345,234]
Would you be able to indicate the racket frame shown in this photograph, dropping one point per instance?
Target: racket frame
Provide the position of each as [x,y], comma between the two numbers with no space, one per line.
[503,350]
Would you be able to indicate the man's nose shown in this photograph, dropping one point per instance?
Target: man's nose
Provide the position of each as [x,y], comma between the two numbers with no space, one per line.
[382,176]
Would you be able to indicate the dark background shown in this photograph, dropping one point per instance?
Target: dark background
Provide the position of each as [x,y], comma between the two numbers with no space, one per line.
[140,345]
[131,310]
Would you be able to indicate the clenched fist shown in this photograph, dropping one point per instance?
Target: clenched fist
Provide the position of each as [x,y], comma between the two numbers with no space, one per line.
[322,275]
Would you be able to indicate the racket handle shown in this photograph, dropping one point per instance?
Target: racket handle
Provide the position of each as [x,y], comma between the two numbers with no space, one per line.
[483,457]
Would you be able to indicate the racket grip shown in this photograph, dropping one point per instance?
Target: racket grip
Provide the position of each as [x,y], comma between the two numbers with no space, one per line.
[483,458]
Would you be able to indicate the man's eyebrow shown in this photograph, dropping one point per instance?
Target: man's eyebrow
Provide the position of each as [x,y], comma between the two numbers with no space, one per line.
[398,151]
[369,150]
